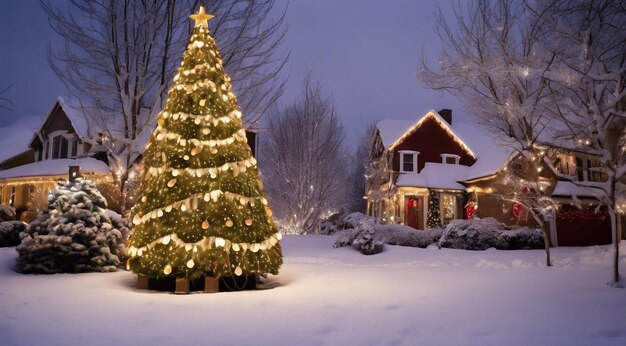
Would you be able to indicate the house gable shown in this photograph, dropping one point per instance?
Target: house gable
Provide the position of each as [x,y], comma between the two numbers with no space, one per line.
[57,121]
[58,136]
[432,137]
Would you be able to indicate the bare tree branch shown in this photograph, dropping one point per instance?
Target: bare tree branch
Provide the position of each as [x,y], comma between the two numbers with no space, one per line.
[119,58]
[304,163]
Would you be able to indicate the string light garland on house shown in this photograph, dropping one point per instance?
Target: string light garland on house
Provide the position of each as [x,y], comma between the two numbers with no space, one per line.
[202,210]
[444,125]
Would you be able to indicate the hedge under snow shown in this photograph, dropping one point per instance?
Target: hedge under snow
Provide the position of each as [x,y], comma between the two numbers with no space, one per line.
[364,234]
[73,234]
[10,228]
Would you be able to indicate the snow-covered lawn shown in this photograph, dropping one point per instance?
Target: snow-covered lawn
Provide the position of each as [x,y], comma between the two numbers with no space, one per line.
[338,297]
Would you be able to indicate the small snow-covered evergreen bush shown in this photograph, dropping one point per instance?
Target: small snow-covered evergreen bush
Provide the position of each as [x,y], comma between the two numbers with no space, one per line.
[72,235]
[10,232]
[7,213]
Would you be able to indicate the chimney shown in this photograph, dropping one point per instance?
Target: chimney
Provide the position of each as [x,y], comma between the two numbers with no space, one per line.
[446,114]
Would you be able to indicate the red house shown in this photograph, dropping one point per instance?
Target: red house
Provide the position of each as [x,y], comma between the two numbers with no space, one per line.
[423,167]
[414,165]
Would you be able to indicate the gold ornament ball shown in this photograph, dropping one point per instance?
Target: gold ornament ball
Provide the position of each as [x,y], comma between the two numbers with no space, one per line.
[249,222]
[229,223]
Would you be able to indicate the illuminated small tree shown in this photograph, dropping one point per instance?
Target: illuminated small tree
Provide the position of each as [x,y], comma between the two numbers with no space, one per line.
[202,211]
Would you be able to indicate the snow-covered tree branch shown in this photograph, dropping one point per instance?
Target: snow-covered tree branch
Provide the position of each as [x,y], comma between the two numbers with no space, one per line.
[117,59]
[590,95]
[492,60]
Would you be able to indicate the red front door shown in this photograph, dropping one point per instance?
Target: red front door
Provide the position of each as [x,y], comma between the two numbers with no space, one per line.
[414,211]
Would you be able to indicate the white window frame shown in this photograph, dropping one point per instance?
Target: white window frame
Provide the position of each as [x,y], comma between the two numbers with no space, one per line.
[455,207]
[444,158]
[408,152]
[586,169]
[70,137]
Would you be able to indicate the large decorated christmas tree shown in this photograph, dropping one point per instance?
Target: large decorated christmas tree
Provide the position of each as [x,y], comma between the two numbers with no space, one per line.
[202,211]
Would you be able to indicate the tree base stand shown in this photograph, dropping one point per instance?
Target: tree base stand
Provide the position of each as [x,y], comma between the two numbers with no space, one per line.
[207,284]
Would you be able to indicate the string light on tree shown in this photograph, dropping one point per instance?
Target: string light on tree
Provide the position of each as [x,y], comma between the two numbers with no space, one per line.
[202,211]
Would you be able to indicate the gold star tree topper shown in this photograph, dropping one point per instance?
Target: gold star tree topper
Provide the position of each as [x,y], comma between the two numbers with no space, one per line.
[201,17]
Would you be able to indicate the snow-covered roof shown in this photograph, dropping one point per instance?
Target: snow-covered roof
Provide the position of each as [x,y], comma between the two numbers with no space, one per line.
[391,130]
[55,167]
[492,155]
[567,188]
[14,138]
[436,176]
[77,114]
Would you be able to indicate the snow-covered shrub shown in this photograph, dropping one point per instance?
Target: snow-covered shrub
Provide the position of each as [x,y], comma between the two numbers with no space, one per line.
[367,242]
[364,234]
[481,234]
[10,232]
[407,236]
[362,237]
[7,213]
[349,221]
[72,235]
[520,238]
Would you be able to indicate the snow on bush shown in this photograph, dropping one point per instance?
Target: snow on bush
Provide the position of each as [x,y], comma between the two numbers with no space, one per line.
[349,221]
[72,235]
[363,238]
[481,234]
[362,233]
[10,233]
[7,213]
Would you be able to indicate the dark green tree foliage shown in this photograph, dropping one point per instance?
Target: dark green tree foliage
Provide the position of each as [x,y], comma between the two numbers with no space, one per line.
[72,235]
[202,210]
[434,219]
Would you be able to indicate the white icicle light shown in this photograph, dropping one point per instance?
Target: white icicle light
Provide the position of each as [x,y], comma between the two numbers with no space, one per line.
[190,264]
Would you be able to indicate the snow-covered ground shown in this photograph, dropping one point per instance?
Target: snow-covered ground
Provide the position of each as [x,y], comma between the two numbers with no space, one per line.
[332,296]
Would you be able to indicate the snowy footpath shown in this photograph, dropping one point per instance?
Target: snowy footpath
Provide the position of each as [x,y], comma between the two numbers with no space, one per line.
[326,296]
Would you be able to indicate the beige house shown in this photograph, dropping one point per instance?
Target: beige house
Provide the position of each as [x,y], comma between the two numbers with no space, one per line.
[41,154]
[36,153]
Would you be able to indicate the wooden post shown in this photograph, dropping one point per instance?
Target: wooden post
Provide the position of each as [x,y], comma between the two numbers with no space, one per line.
[211,284]
[143,282]
[182,286]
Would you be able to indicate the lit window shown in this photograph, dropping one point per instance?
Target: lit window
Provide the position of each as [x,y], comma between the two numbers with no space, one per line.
[447,203]
[12,197]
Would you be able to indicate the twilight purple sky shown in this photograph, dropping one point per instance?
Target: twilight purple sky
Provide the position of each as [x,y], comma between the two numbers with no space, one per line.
[364,52]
